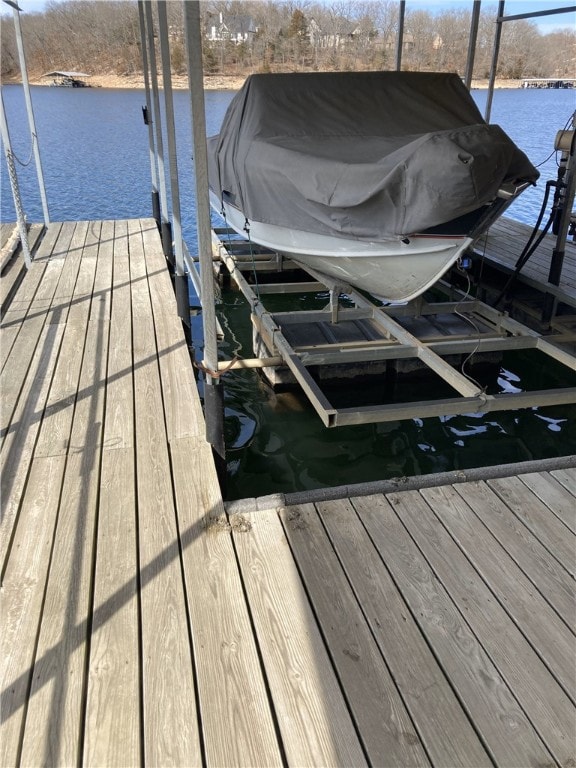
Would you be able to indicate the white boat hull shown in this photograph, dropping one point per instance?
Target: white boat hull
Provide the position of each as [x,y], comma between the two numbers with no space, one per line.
[395,270]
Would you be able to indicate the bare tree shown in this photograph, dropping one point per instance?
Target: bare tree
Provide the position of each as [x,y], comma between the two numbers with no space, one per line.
[419,40]
[519,40]
[100,37]
[559,54]
[450,42]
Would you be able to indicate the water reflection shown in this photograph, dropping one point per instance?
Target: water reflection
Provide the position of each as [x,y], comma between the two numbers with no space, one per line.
[277,444]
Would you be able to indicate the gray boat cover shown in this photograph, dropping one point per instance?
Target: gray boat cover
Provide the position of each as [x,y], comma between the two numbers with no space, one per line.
[366,155]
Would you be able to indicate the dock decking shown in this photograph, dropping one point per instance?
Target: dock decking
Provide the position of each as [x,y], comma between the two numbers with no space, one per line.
[503,245]
[142,625]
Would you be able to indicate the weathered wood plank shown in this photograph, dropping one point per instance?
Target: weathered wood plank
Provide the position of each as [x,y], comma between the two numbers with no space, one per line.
[34,276]
[7,229]
[312,715]
[557,498]
[448,736]
[59,410]
[496,714]
[9,328]
[102,290]
[59,686]
[184,415]
[18,446]
[540,624]
[113,726]
[159,282]
[542,698]
[14,269]
[237,723]
[49,246]
[36,294]
[567,477]
[84,285]
[537,518]
[54,252]
[14,374]
[171,735]
[72,259]
[383,723]
[56,696]
[554,583]
[120,398]
[21,598]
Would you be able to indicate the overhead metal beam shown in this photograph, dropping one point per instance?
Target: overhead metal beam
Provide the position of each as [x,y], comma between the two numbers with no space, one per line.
[534,14]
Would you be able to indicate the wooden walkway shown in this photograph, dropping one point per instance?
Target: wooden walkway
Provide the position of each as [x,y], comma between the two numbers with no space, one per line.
[504,244]
[142,625]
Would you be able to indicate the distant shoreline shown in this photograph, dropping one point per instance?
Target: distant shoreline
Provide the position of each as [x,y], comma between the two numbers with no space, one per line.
[211,82]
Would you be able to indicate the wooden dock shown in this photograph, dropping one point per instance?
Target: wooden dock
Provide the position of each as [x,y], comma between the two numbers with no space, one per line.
[143,624]
[504,243]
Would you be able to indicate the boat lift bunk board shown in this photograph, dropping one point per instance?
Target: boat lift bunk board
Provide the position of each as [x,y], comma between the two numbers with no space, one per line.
[391,341]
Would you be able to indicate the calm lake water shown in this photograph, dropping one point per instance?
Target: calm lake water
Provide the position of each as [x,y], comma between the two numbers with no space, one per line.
[94,149]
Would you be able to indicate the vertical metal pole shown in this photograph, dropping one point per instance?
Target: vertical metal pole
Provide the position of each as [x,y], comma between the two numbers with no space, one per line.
[214,397]
[30,110]
[181,284]
[494,65]
[165,232]
[400,37]
[472,43]
[150,122]
[563,222]
[5,133]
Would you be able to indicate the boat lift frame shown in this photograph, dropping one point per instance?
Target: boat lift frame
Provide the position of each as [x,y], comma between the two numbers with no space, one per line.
[397,343]
[501,333]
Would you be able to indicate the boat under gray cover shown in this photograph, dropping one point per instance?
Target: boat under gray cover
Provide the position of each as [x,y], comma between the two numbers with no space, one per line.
[366,155]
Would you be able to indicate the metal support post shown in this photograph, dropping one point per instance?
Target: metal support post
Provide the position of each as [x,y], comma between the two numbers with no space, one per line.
[147,110]
[565,141]
[472,43]
[30,111]
[400,37]
[4,132]
[213,396]
[180,281]
[494,65]
[165,229]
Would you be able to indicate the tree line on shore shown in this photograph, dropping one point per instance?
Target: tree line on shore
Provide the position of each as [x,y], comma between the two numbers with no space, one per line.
[244,36]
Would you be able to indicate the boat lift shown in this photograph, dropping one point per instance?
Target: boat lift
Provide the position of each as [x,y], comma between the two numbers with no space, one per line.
[433,335]
[387,330]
